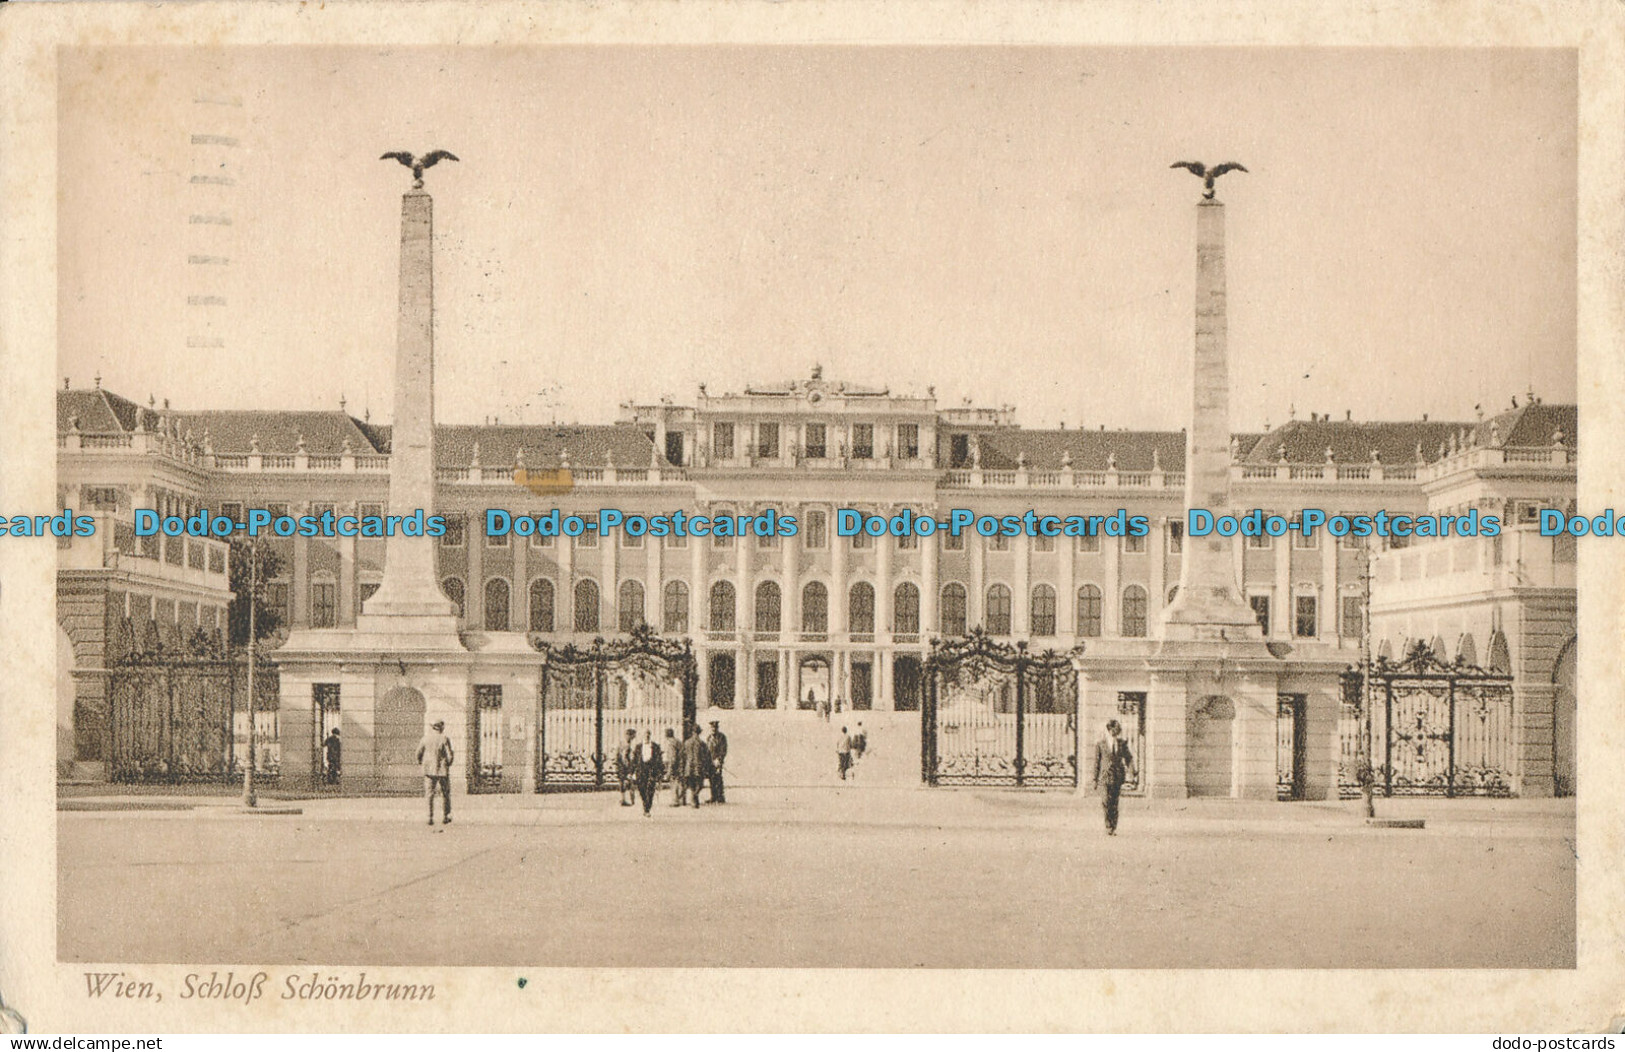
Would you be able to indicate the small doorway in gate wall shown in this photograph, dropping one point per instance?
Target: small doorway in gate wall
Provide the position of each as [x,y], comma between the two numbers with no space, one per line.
[1212,736]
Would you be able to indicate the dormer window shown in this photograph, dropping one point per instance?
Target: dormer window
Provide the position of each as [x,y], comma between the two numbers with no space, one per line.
[863,441]
[722,441]
[816,445]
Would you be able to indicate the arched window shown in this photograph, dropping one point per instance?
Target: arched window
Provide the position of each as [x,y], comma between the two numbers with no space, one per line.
[815,608]
[453,589]
[906,610]
[675,617]
[1134,611]
[496,605]
[1043,611]
[998,610]
[631,605]
[722,606]
[768,603]
[861,609]
[541,605]
[1500,654]
[1089,611]
[952,615]
[586,606]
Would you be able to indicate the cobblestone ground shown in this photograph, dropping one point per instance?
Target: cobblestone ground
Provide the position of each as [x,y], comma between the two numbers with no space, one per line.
[821,878]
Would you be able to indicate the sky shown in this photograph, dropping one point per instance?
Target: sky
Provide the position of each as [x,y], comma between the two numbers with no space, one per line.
[997,223]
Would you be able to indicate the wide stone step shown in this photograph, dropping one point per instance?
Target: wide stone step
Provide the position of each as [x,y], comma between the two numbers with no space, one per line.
[774,748]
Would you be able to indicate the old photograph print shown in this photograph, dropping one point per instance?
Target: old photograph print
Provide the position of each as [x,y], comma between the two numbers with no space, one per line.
[816,507]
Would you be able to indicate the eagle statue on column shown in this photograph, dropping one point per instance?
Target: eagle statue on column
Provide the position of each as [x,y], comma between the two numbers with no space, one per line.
[1201,171]
[429,160]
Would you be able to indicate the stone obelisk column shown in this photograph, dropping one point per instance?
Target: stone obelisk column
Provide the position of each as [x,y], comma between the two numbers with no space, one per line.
[1209,604]
[409,599]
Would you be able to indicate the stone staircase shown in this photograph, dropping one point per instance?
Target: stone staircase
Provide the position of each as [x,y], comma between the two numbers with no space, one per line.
[775,748]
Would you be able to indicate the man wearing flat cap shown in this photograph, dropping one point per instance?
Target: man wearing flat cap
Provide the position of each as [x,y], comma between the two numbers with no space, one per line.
[435,753]
[717,743]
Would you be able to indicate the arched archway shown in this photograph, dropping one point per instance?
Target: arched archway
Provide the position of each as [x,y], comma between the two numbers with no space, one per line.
[1564,711]
[397,730]
[1209,762]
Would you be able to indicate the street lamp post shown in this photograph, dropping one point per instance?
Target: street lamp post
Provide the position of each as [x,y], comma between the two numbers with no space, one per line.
[1362,756]
[249,799]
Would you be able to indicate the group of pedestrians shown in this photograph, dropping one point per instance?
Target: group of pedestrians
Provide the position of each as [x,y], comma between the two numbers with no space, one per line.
[687,766]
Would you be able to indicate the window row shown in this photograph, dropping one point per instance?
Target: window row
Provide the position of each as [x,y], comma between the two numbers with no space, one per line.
[586,613]
[729,440]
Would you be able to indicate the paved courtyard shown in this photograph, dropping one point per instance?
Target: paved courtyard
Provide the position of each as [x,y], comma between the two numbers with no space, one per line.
[861,877]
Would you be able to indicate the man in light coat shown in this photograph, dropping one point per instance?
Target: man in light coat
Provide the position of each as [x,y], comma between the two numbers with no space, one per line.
[436,754]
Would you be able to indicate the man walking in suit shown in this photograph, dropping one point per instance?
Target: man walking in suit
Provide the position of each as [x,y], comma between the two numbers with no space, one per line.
[1113,762]
[624,764]
[436,754]
[718,744]
[843,752]
[647,767]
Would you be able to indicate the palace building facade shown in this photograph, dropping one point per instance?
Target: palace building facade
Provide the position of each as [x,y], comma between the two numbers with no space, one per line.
[788,623]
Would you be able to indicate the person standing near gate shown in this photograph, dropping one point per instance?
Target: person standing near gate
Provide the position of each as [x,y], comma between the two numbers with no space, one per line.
[647,767]
[436,754]
[625,761]
[1113,762]
[669,748]
[718,744]
[332,754]
[694,758]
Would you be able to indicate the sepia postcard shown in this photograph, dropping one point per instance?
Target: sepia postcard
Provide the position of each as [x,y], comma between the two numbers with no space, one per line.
[811,517]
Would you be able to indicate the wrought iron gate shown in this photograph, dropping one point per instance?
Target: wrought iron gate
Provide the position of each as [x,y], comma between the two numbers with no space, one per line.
[181,716]
[995,714]
[1435,729]
[589,697]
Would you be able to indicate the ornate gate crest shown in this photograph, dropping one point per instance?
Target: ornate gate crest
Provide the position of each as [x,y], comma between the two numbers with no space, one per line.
[996,714]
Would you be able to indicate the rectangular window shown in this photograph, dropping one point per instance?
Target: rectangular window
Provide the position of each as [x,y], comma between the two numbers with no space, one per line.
[863,441]
[908,542]
[767,441]
[674,448]
[1304,622]
[1302,542]
[318,508]
[277,510]
[1132,543]
[587,539]
[217,559]
[677,540]
[1352,617]
[232,510]
[1176,536]
[494,540]
[767,540]
[194,555]
[100,498]
[539,541]
[998,543]
[1043,544]
[454,535]
[953,542]
[1263,540]
[862,541]
[371,508]
[1089,543]
[1261,610]
[908,441]
[816,449]
[323,597]
[629,541]
[816,536]
[722,441]
[959,451]
[276,598]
